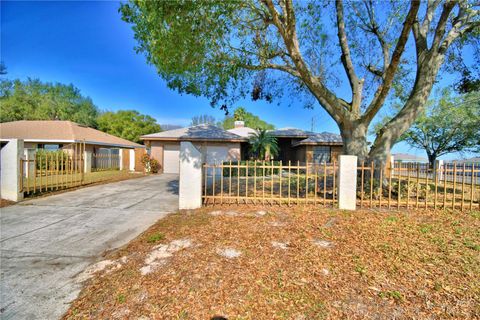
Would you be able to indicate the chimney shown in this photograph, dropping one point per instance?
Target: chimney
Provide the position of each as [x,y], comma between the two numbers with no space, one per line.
[239,124]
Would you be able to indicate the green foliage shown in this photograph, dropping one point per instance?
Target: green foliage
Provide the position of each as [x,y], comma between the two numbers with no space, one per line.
[52,158]
[450,124]
[155,237]
[251,120]
[263,145]
[36,100]
[127,124]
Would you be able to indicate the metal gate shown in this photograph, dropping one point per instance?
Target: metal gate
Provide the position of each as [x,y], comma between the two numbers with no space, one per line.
[45,170]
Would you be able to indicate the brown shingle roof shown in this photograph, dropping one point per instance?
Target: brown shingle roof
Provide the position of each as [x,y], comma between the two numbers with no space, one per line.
[61,131]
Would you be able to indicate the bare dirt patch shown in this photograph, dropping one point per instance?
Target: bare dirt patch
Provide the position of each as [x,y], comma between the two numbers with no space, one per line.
[382,265]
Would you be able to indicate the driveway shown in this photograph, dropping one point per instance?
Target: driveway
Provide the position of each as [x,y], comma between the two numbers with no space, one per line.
[45,243]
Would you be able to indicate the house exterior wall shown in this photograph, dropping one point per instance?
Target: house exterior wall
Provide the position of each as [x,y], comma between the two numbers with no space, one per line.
[156,152]
[335,152]
[232,152]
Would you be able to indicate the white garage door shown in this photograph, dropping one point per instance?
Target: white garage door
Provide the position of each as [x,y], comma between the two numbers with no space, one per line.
[171,158]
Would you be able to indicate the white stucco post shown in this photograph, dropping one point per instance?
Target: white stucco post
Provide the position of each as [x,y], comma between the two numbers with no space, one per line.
[190,186]
[439,169]
[347,182]
[120,159]
[131,152]
[10,171]
[87,163]
[29,167]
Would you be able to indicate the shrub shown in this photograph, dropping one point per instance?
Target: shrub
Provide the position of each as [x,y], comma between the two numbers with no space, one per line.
[154,165]
[150,164]
[41,159]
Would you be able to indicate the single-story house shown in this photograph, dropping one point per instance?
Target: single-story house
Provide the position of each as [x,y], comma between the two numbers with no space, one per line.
[55,134]
[407,158]
[218,145]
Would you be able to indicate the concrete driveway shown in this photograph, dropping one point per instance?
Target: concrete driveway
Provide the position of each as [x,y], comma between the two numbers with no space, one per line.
[45,243]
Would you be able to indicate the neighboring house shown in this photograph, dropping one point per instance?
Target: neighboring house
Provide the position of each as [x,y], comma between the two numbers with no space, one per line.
[56,134]
[219,145]
[405,157]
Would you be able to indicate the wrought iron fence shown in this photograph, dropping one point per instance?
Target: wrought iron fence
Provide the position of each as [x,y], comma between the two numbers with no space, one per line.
[271,182]
[416,185]
[45,171]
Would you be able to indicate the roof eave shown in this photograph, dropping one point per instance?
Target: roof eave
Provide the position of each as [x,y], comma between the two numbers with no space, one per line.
[193,139]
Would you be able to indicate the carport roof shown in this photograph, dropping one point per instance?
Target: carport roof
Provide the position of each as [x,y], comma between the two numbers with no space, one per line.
[202,132]
[58,131]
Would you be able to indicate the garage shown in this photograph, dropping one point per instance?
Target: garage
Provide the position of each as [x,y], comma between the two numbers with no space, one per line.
[214,143]
[171,158]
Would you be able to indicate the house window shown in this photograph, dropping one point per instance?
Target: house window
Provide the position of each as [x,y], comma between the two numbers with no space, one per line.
[49,147]
[321,154]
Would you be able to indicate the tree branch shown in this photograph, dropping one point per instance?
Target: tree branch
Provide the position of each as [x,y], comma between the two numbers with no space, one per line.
[384,88]
[286,25]
[355,84]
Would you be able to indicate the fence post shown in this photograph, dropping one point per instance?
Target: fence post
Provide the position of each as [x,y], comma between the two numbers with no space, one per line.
[10,170]
[190,186]
[347,182]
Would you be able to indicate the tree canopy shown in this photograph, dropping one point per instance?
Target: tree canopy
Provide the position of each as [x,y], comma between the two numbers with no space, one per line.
[127,124]
[310,51]
[450,124]
[251,120]
[36,100]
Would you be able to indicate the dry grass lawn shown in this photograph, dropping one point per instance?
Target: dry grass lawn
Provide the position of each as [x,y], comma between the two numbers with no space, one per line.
[294,263]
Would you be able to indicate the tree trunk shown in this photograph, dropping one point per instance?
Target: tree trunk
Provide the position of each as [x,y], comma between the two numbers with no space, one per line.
[431,160]
[415,104]
[354,138]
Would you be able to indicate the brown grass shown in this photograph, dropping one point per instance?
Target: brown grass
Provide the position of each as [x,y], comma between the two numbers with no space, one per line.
[383,265]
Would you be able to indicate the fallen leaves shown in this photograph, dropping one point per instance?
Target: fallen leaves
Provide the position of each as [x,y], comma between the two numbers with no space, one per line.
[294,263]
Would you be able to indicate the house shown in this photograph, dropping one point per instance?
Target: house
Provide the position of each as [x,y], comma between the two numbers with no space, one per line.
[215,144]
[218,145]
[55,134]
[405,157]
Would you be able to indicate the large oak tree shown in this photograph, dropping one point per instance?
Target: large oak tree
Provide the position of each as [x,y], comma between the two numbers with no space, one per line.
[270,49]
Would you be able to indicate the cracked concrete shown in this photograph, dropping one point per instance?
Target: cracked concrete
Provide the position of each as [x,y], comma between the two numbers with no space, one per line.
[46,243]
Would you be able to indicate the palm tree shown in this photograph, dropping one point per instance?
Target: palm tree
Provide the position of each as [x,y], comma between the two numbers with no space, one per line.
[263,145]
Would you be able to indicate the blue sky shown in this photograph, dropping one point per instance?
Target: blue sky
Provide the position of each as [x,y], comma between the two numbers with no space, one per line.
[88,45]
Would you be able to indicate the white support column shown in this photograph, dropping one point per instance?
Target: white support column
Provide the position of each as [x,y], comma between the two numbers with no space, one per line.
[10,170]
[190,187]
[29,167]
[87,163]
[131,152]
[120,158]
[439,169]
[347,182]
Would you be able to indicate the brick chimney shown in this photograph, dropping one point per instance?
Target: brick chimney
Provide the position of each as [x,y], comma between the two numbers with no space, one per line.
[239,124]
